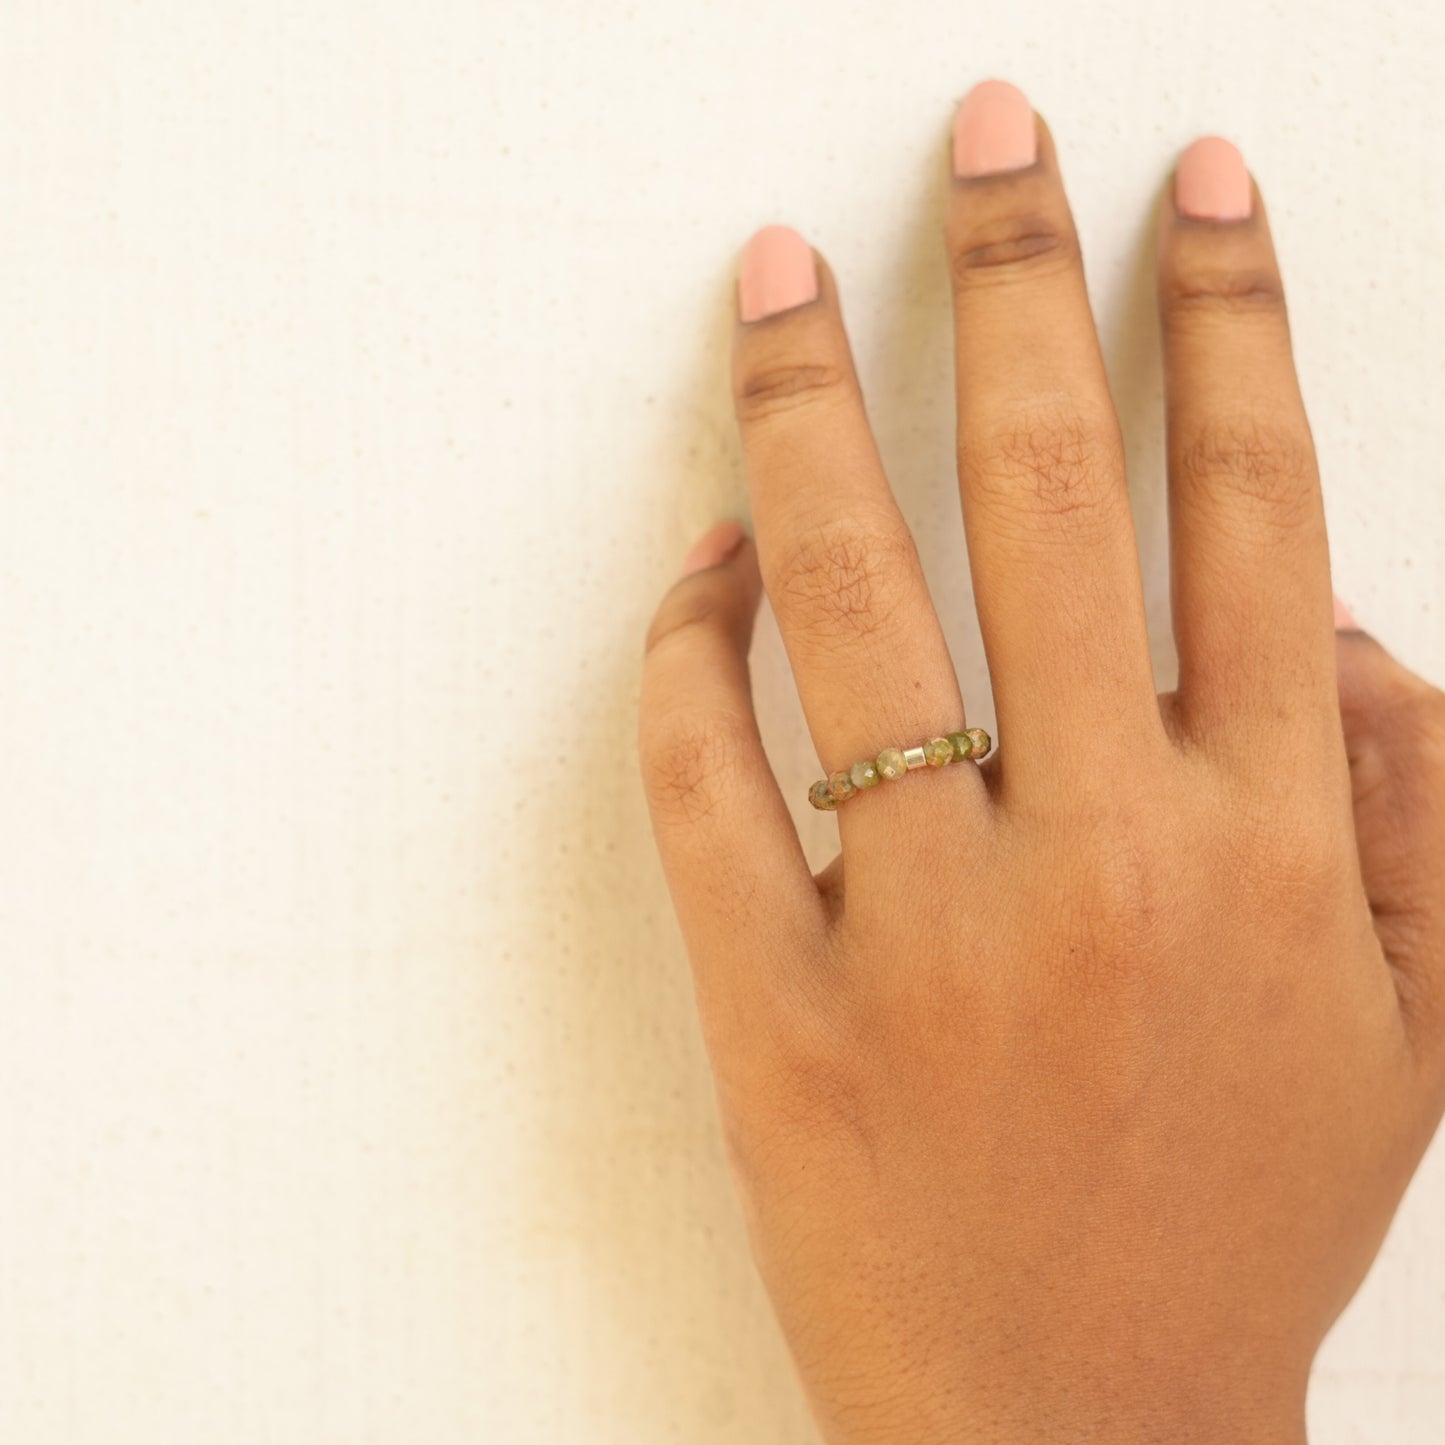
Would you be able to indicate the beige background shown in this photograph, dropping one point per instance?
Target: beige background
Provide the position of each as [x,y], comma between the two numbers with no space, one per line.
[361,381]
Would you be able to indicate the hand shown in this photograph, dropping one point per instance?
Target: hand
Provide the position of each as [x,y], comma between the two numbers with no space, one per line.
[1073,1101]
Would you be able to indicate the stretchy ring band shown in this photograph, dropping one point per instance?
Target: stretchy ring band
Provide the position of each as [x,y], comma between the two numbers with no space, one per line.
[827,793]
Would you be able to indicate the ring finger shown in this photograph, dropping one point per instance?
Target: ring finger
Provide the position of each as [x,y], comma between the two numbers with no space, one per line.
[838,561]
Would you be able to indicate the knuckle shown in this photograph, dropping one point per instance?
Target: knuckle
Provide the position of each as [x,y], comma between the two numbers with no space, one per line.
[1217,292]
[1012,246]
[840,582]
[816,1075]
[1107,874]
[1263,461]
[690,761]
[1114,906]
[784,385]
[1415,722]
[1292,854]
[807,1085]
[687,609]
[1049,464]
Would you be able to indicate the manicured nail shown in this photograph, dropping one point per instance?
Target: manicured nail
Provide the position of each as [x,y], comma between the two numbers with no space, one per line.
[1344,618]
[993,131]
[1211,182]
[776,273]
[715,545]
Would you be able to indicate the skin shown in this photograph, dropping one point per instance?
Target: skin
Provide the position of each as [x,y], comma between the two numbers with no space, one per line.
[1073,1100]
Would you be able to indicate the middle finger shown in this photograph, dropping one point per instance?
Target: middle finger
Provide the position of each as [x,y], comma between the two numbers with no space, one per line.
[1041,463]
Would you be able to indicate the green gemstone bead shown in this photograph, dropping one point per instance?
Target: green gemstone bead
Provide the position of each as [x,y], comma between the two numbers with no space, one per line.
[981,742]
[865,774]
[938,752]
[962,748]
[840,785]
[891,763]
[820,797]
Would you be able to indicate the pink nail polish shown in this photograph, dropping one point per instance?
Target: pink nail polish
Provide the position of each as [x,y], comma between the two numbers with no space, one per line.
[715,545]
[1212,182]
[777,272]
[1344,618]
[994,131]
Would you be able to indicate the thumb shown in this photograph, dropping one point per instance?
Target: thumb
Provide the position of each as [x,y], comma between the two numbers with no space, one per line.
[1394,725]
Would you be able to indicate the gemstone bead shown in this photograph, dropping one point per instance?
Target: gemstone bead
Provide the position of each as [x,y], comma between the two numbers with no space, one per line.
[865,774]
[840,785]
[820,797]
[891,763]
[938,752]
[980,740]
[962,747]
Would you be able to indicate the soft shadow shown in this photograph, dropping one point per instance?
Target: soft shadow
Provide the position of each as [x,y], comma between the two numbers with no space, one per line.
[629,1184]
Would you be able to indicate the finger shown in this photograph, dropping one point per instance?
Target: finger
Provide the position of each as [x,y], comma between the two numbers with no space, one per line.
[1250,561]
[1040,459]
[840,566]
[731,855]
[1394,726]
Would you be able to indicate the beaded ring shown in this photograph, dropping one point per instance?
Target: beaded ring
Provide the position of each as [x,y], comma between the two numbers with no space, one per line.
[827,793]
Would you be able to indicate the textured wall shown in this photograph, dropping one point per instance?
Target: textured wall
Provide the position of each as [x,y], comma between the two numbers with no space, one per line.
[361,381]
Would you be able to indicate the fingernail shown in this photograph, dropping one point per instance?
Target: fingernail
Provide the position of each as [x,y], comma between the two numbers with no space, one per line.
[776,273]
[715,545]
[1211,182]
[1344,618]
[993,131]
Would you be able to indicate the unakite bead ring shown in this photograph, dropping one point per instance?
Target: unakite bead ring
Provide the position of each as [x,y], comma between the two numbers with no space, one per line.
[891,764]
